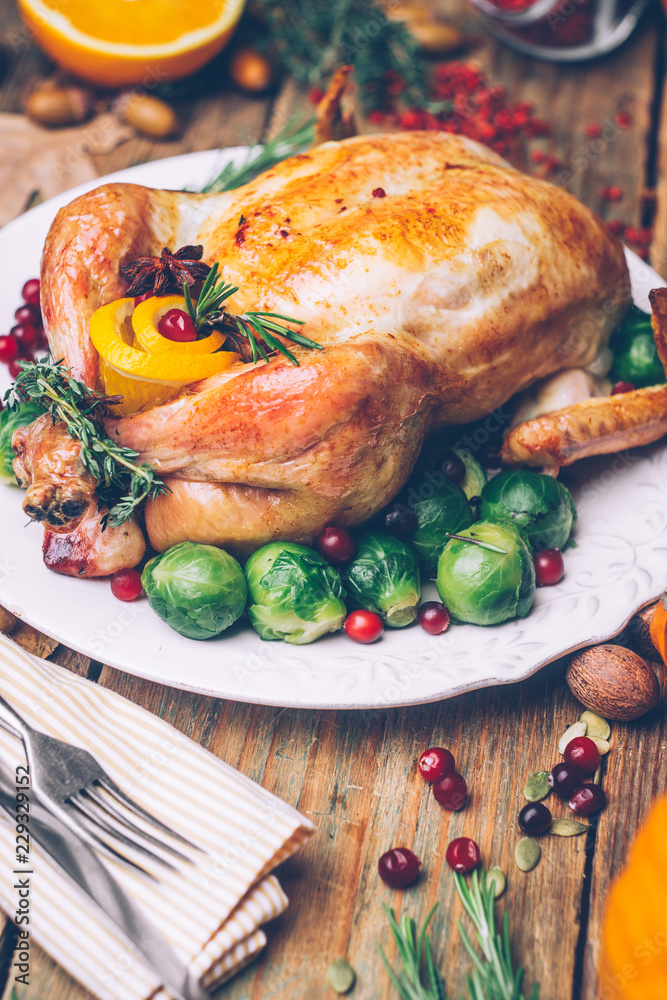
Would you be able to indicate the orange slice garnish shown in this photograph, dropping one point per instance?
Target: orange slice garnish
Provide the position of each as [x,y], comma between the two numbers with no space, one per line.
[148,314]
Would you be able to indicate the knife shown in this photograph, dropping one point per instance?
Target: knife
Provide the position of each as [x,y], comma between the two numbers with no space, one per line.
[80,863]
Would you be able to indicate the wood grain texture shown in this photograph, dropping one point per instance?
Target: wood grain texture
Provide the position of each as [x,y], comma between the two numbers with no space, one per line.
[354,774]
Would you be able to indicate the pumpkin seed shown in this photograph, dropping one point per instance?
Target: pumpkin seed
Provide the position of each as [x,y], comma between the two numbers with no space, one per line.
[597,776]
[601,744]
[537,786]
[596,725]
[495,882]
[577,729]
[341,977]
[527,853]
[567,828]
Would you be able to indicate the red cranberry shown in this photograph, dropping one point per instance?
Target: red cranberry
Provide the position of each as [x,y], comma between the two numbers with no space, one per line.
[535,818]
[16,367]
[336,545]
[587,800]
[399,520]
[29,314]
[451,791]
[8,348]
[462,855]
[126,584]
[584,753]
[363,626]
[26,337]
[30,291]
[565,778]
[435,763]
[619,387]
[453,467]
[433,617]
[399,867]
[177,325]
[549,567]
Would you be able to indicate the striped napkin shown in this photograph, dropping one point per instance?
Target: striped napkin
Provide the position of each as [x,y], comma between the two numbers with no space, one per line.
[211,910]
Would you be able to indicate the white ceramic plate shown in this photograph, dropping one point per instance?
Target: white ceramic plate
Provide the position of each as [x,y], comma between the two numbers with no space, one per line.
[620,565]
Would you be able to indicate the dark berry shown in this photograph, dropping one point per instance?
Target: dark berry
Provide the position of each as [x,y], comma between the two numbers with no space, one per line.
[565,778]
[549,567]
[399,520]
[462,855]
[25,336]
[453,467]
[436,762]
[535,818]
[587,800]
[177,325]
[399,867]
[336,545]
[584,753]
[433,617]
[451,791]
[620,387]
[8,348]
[30,291]
[29,314]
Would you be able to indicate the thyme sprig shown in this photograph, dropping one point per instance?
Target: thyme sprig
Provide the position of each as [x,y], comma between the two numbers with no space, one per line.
[258,328]
[122,483]
[493,977]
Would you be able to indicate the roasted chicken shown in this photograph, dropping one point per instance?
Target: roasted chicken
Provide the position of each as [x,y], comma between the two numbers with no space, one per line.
[439,281]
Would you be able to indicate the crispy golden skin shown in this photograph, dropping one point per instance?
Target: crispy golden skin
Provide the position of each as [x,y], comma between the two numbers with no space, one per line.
[439,280]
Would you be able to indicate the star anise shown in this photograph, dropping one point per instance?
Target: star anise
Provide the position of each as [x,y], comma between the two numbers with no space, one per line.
[166,273]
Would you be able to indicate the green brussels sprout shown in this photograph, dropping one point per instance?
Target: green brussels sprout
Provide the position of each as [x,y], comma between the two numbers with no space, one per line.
[539,505]
[295,594]
[384,577]
[475,477]
[487,584]
[440,507]
[11,420]
[199,590]
[635,354]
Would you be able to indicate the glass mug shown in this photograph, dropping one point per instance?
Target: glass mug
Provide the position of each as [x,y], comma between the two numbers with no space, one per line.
[562,30]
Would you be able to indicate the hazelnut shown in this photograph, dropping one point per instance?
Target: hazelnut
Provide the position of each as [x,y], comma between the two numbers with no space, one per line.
[58,105]
[251,70]
[614,682]
[149,115]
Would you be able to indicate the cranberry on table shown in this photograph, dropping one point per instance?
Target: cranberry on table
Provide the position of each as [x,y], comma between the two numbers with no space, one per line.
[177,325]
[336,544]
[399,520]
[126,584]
[433,617]
[25,336]
[451,791]
[549,567]
[619,387]
[535,818]
[564,778]
[463,855]
[587,800]
[453,467]
[29,313]
[8,348]
[584,753]
[399,867]
[30,291]
[435,762]
[363,626]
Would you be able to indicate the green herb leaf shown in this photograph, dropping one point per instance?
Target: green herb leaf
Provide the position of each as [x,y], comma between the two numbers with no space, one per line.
[292,139]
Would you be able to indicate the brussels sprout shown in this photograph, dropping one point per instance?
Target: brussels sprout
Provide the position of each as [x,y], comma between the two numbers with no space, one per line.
[295,594]
[441,508]
[539,505]
[198,590]
[384,577]
[475,477]
[487,585]
[635,354]
[10,420]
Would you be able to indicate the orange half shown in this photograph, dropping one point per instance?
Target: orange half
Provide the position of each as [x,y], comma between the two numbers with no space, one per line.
[120,42]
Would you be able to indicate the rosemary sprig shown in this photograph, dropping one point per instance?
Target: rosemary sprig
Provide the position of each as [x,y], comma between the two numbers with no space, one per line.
[478,541]
[493,976]
[257,327]
[122,484]
[294,138]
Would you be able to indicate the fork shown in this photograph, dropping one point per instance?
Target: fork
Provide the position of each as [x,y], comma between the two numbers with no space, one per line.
[72,784]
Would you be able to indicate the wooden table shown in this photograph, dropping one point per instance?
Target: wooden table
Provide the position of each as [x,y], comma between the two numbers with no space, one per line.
[354,773]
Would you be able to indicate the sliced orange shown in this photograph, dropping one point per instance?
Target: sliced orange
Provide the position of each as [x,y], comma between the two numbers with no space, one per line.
[145,379]
[148,314]
[120,42]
